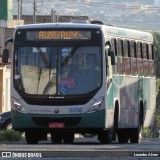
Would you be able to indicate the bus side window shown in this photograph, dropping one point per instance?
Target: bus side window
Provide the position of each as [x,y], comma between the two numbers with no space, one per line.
[139,49]
[120,56]
[126,48]
[139,58]
[146,66]
[113,45]
[126,57]
[133,58]
[150,51]
[114,49]
[132,49]
[119,47]
[151,60]
[144,49]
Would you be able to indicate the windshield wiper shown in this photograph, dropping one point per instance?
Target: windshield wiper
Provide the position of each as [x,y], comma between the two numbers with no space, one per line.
[43,56]
[69,56]
[47,65]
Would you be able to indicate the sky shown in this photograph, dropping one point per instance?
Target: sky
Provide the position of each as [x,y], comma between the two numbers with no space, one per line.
[118,12]
[76,6]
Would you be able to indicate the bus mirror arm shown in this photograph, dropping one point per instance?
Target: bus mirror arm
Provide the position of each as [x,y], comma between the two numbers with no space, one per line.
[5,55]
[112,55]
[7,41]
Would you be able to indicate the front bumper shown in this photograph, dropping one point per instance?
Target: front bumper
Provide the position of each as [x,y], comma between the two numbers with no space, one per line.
[22,121]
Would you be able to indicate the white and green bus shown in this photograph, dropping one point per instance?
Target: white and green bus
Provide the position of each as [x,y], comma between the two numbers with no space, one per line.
[55,90]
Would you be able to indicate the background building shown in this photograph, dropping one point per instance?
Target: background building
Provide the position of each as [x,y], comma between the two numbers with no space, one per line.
[7,25]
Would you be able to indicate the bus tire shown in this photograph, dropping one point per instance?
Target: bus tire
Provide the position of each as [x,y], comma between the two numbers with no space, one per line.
[123,135]
[56,138]
[115,122]
[136,133]
[68,138]
[32,137]
[105,137]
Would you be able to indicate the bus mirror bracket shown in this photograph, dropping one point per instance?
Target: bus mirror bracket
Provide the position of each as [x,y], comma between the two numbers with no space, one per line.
[112,55]
[5,55]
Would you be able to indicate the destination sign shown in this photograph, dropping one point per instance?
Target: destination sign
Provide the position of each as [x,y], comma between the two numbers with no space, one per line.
[58,35]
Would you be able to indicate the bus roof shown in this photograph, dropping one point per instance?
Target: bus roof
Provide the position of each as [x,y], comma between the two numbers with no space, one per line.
[128,33]
[108,30]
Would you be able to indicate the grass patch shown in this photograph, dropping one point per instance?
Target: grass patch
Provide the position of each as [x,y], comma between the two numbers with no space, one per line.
[10,135]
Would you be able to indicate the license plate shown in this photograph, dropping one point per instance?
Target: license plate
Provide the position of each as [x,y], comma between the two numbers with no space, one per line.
[56,125]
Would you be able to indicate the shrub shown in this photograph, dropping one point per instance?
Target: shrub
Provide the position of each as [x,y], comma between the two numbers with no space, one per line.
[146,133]
[10,135]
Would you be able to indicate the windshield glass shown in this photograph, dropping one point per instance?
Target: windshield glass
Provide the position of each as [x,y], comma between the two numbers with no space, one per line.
[57,70]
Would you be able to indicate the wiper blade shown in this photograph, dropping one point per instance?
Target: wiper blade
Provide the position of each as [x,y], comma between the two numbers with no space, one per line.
[69,56]
[43,56]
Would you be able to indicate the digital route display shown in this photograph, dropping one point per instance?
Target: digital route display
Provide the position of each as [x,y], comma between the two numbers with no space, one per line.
[58,35]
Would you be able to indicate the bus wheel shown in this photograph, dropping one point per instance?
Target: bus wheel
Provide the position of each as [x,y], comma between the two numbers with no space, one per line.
[32,137]
[56,138]
[105,137]
[123,135]
[135,136]
[136,133]
[115,123]
[68,138]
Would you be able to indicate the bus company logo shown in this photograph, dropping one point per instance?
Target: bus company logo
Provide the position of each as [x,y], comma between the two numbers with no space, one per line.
[56,110]
[6,154]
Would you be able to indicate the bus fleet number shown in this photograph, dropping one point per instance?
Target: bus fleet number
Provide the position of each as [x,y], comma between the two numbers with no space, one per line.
[75,110]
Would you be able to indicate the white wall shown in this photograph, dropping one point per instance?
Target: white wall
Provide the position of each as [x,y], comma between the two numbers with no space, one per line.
[6,92]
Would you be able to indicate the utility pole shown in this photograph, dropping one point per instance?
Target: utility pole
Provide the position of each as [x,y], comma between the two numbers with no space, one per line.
[53,16]
[34,11]
[19,9]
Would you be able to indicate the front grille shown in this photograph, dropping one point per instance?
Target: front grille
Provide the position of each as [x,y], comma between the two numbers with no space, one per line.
[57,102]
[69,122]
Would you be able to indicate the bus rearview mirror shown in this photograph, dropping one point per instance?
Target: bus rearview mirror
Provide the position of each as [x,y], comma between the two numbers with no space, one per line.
[5,55]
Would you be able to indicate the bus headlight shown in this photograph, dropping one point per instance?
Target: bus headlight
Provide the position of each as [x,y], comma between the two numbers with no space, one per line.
[18,107]
[96,106]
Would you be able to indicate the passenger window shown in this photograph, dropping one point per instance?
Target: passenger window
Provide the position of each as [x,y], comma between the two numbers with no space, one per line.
[126,59]
[113,48]
[125,48]
[150,51]
[132,49]
[119,47]
[146,64]
[139,49]
[120,58]
[113,45]
[151,60]
[144,51]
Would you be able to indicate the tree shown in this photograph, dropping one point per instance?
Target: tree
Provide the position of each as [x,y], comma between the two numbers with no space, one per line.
[156,37]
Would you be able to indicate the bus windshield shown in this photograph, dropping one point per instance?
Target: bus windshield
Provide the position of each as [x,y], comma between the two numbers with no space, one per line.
[57,70]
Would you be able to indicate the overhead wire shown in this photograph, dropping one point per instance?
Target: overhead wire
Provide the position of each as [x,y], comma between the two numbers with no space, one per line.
[109,5]
[115,5]
[104,4]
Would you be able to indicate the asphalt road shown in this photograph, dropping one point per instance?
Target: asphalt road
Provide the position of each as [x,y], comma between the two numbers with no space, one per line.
[81,149]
